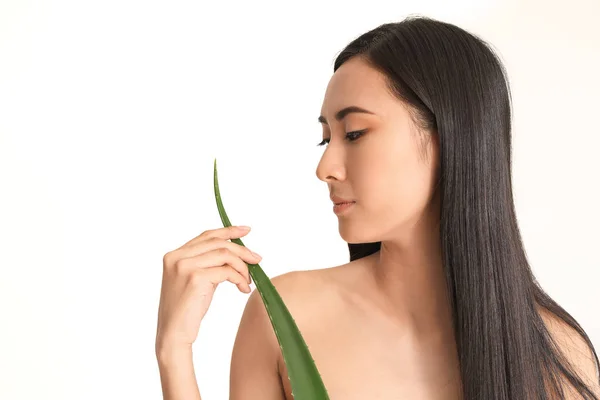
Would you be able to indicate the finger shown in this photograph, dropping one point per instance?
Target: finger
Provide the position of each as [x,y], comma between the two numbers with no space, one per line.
[217,275]
[226,233]
[245,255]
[214,258]
[224,256]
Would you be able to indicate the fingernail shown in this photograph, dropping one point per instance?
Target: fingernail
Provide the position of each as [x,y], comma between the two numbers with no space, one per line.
[256,255]
[244,227]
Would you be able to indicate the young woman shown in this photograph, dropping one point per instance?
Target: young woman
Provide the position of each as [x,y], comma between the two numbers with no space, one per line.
[438,300]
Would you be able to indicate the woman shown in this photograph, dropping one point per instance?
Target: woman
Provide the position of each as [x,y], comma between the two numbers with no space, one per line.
[438,300]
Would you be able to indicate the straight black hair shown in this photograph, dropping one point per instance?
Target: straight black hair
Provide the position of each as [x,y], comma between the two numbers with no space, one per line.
[458,89]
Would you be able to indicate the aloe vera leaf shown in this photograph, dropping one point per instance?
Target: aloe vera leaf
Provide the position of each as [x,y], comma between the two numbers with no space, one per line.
[302,372]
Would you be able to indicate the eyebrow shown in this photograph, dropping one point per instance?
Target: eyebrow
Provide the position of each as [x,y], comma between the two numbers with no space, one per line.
[345,111]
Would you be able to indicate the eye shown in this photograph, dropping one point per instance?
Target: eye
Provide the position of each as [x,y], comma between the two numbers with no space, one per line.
[350,136]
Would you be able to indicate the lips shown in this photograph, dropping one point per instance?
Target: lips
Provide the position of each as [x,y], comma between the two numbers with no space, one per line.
[339,200]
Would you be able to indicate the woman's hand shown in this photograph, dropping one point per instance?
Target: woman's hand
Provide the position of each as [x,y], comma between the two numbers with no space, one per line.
[191,274]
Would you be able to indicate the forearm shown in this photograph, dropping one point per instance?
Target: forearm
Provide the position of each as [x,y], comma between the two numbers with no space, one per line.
[177,375]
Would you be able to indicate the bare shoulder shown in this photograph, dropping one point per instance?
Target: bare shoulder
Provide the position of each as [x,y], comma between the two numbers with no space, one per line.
[339,278]
[575,349]
[304,290]
[318,295]
[304,293]
[316,299]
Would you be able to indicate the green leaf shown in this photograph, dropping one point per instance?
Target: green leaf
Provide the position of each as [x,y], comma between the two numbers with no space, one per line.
[302,372]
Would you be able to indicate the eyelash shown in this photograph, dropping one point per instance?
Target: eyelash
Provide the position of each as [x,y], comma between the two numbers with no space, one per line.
[350,136]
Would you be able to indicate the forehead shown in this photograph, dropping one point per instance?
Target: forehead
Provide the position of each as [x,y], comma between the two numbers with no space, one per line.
[356,83]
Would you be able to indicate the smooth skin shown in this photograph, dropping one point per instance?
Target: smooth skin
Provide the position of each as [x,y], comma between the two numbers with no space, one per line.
[385,332]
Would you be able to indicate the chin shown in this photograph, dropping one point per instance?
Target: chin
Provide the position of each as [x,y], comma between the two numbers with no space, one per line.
[353,234]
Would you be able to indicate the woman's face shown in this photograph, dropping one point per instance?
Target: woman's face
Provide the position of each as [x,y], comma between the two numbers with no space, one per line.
[383,170]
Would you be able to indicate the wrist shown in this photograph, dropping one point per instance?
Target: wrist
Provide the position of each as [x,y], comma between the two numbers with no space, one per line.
[173,352]
[177,375]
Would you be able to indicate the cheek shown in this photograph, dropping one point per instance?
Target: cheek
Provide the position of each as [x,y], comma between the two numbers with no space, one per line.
[389,178]
[393,189]
[412,191]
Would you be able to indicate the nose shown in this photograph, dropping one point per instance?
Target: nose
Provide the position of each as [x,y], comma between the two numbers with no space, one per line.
[331,166]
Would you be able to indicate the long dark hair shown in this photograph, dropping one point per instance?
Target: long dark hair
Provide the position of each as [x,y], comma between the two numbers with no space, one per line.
[458,90]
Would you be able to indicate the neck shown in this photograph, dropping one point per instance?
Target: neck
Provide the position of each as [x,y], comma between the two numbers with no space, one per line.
[408,279]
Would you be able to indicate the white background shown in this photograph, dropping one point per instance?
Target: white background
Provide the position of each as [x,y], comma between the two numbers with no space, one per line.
[112,112]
